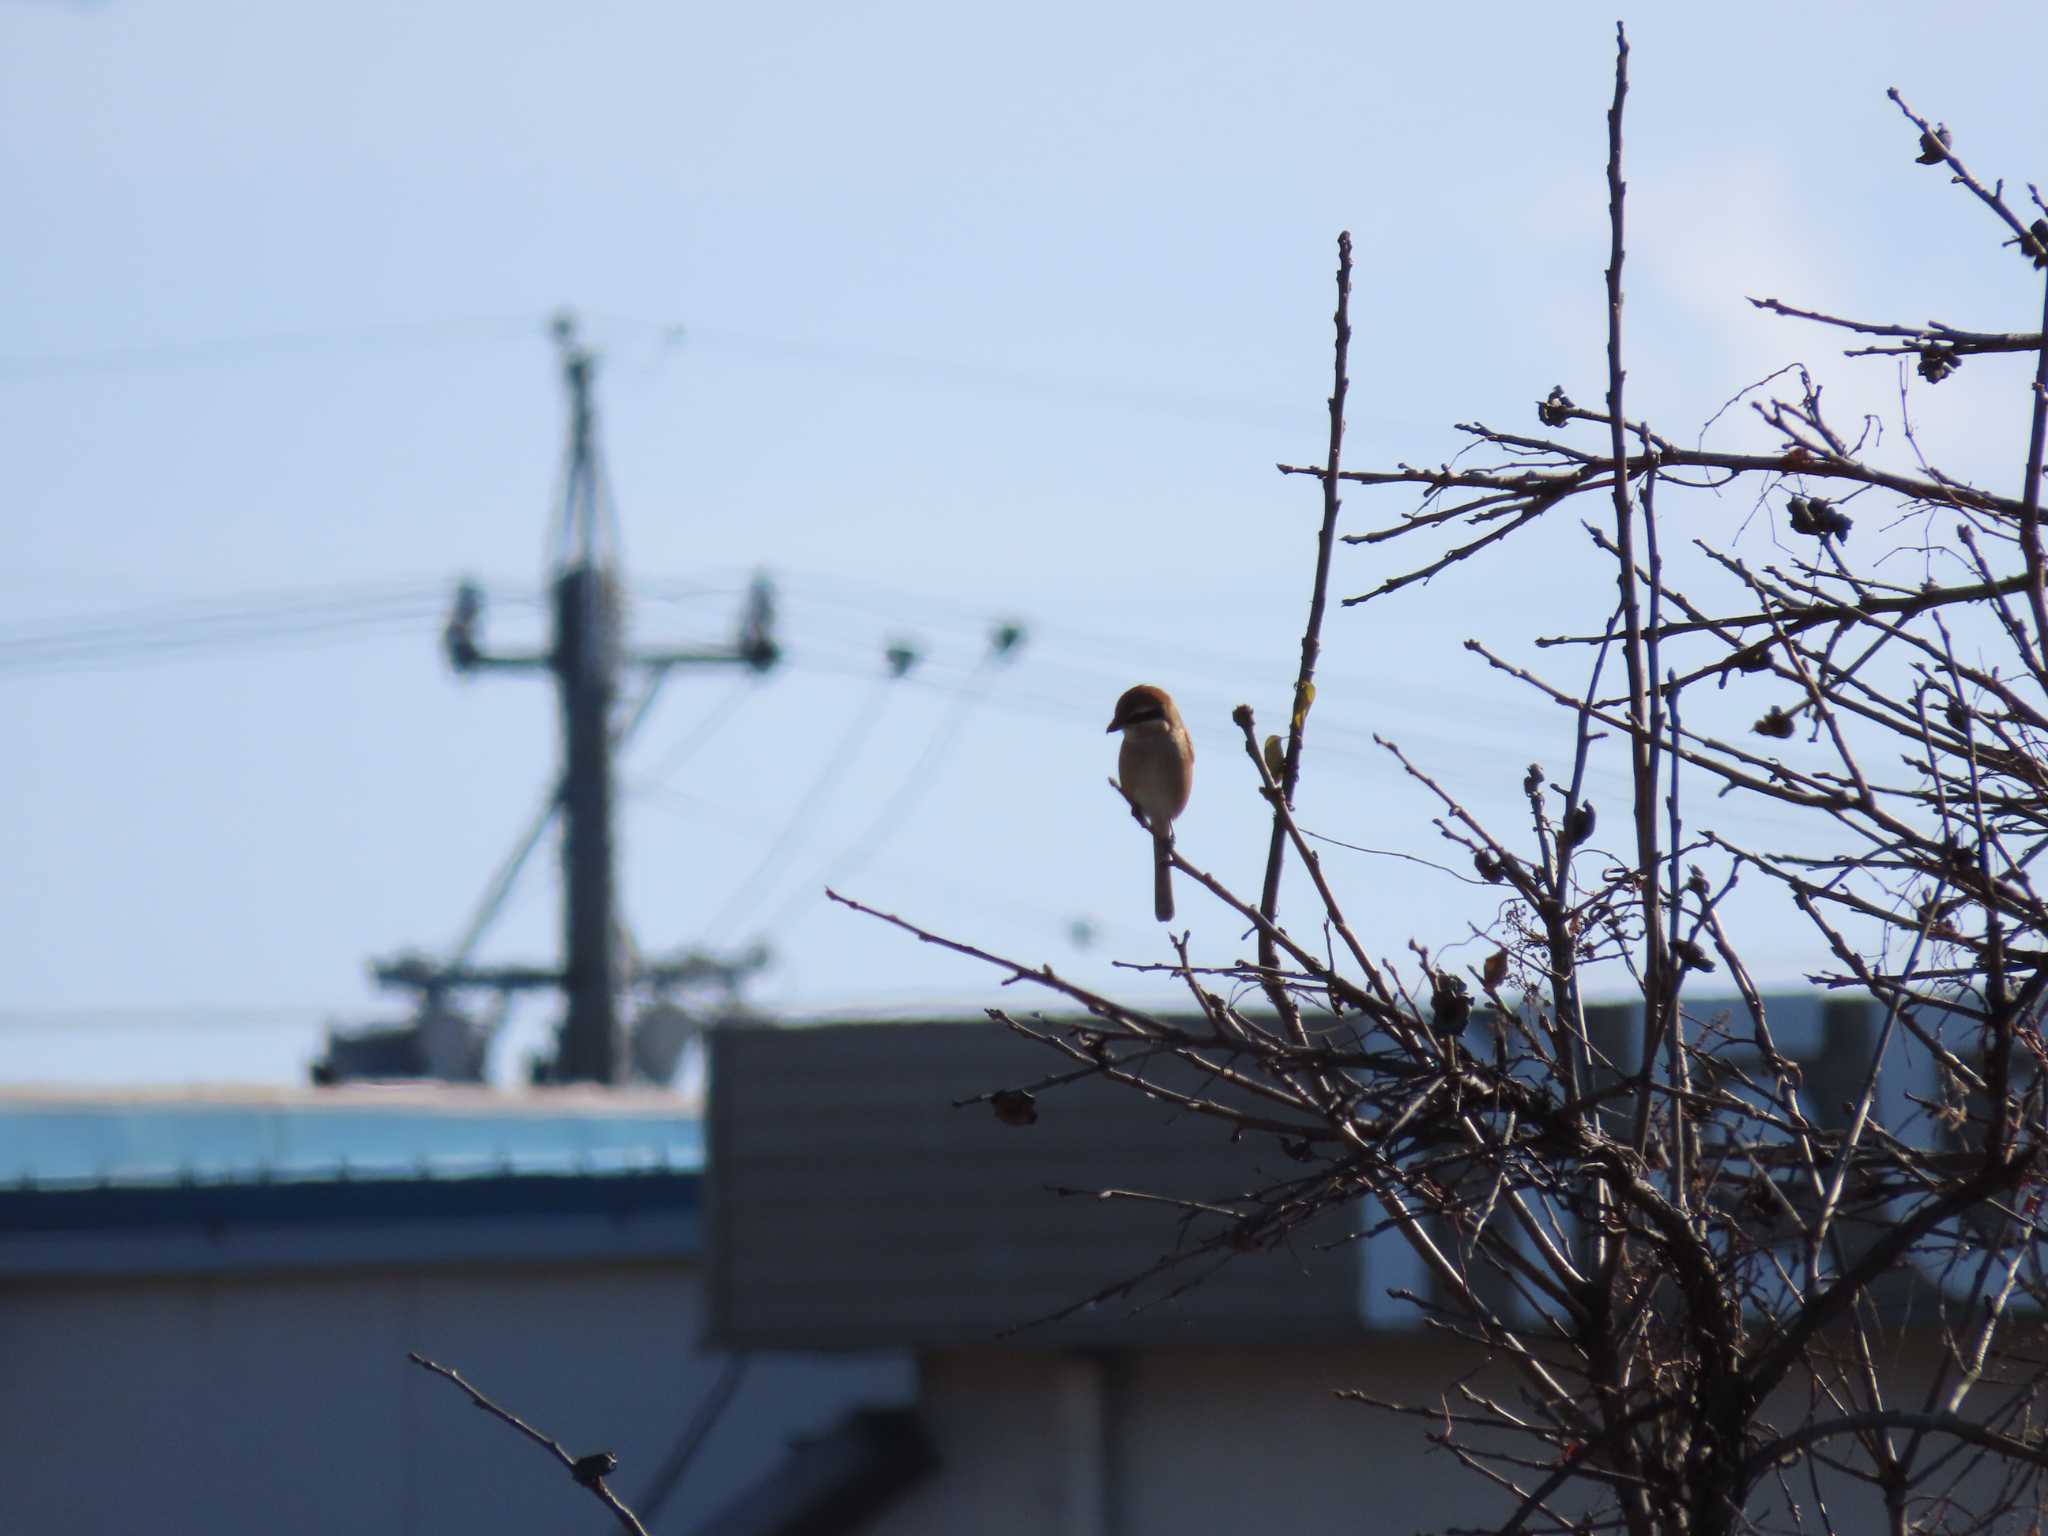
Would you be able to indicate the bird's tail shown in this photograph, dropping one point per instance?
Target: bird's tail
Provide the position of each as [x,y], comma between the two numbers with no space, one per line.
[1162,876]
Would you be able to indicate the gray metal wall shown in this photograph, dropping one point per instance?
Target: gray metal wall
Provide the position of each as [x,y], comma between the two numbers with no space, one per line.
[281,1403]
[1252,1440]
[852,1206]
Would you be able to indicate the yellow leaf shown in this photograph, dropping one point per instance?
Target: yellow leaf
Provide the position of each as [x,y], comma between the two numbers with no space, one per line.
[1276,758]
[1304,696]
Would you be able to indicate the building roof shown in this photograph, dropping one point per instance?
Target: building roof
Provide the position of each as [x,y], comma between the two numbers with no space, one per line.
[64,1139]
[220,1181]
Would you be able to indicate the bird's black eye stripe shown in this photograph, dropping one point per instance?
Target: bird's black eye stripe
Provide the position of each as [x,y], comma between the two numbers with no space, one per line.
[1144,715]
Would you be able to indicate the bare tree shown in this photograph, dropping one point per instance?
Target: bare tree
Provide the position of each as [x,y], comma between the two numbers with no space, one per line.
[1669,1237]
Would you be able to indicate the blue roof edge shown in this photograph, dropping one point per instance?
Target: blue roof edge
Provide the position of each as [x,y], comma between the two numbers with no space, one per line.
[271,1225]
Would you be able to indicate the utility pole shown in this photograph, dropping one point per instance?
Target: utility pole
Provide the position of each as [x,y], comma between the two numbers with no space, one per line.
[587,657]
[586,667]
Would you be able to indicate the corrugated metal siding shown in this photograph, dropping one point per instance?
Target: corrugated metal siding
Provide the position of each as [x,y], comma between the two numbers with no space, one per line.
[852,1206]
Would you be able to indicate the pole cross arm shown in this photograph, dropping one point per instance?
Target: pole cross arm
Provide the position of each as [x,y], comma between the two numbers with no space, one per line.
[419,974]
[461,640]
[474,660]
[760,657]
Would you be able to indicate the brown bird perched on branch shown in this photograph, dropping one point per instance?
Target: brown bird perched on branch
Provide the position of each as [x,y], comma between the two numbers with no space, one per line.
[1156,767]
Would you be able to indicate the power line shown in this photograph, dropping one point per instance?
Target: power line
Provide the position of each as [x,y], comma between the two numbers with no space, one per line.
[206,614]
[1472,731]
[499,891]
[1473,724]
[1346,743]
[1079,390]
[1088,391]
[185,1017]
[276,345]
[867,714]
[127,657]
[171,631]
[710,1410]
[1050,636]
[492,903]
[700,735]
[997,898]
[1002,648]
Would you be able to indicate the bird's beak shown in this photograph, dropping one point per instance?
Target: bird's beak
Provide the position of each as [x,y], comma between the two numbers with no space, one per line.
[1112,726]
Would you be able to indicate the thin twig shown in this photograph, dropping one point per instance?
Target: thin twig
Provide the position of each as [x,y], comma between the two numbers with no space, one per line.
[1311,634]
[587,1471]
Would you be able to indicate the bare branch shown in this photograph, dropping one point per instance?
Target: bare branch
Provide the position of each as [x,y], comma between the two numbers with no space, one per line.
[587,1471]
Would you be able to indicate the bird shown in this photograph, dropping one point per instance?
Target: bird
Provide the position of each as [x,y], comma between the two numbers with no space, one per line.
[1156,767]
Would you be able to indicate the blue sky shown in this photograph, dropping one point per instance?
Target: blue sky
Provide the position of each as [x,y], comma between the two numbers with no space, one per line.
[943,315]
